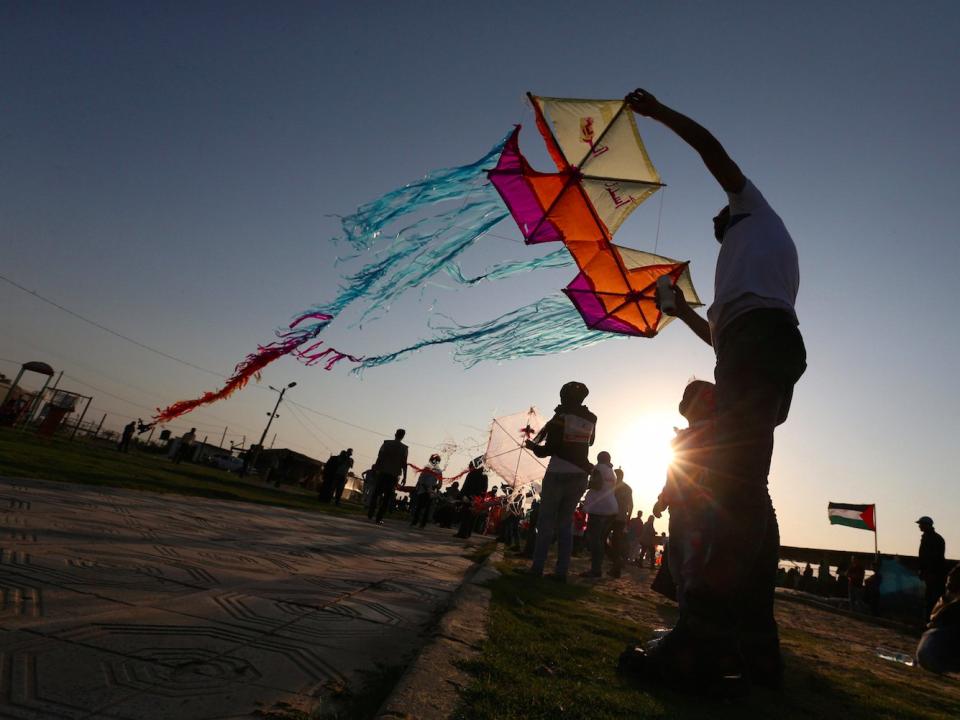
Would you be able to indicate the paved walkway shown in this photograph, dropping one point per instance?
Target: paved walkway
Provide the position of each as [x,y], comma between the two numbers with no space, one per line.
[121,604]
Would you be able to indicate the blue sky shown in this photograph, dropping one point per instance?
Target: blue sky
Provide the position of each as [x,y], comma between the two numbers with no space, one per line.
[172,171]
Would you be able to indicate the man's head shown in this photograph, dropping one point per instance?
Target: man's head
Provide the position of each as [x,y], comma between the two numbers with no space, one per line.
[350,451]
[400,433]
[640,514]
[434,459]
[925,523]
[603,457]
[573,393]
[193,430]
[720,222]
[619,473]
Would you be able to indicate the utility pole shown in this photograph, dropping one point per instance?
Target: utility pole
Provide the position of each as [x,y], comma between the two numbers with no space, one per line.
[272,415]
[223,437]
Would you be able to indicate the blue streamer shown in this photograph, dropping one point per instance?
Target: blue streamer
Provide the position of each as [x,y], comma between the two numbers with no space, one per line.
[557,259]
[461,229]
[420,249]
[550,325]
[364,227]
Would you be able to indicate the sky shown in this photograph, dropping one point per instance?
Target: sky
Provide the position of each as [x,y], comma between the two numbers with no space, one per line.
[175,172]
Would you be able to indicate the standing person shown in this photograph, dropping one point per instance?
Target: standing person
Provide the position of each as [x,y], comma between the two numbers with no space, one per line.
[752,326]
[635,529]
[601,506]
[566,440]
[932,558]
[186,446]
[683,491]
[448,503]
[340,479]
[855,576]
[648,542]
[428,484]
[369,478]
[474,486]
[512,512]
[128,431]
[391,465]
[618,534]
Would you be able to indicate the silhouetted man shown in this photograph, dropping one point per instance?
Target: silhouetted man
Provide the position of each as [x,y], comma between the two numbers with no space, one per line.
[760,355]
[474,486]
[391,465]
[932,558]
[128,431]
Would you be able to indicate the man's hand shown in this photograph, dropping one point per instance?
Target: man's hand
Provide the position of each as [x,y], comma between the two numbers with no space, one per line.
[643,103]
[681,306]
[657,510]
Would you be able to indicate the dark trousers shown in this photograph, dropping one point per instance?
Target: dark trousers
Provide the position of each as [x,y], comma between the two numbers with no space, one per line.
[340,485]
[934,588]
[730,599]
[511,531]
[598,527]
[467,518]
[421,509]
[383,496]
[618,544]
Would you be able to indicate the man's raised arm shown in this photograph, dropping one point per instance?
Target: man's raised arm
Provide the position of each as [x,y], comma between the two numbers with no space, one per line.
[719,164]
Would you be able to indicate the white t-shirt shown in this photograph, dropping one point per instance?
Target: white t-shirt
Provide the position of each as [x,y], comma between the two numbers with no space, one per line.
[604,500]
[757,266]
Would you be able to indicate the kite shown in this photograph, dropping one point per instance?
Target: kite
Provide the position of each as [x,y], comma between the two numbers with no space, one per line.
[603,174]
[507,455]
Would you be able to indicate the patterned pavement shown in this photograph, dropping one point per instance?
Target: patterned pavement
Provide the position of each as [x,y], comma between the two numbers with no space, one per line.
[120,604]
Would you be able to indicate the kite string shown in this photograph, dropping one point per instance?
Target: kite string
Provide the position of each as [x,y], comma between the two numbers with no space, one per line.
[656,241]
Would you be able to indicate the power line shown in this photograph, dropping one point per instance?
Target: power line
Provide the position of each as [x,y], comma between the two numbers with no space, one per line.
[87,320]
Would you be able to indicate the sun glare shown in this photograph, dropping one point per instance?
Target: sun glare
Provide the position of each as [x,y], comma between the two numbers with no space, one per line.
[643,451]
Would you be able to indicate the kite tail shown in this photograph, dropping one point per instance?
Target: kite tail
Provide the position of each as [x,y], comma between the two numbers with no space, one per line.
[557,259]
[458,230]
[548,326]
[288,341]
[363,227]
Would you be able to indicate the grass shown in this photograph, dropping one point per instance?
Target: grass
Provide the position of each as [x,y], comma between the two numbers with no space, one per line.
[24,454]
[552,652]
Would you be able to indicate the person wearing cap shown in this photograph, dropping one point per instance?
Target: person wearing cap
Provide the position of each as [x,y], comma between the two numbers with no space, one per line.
[566,440]
[752,326]
[932,558]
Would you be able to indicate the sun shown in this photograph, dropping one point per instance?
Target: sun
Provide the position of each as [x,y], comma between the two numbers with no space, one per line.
[644,452]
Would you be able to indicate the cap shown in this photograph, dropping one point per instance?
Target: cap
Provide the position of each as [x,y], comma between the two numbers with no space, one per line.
[925,520]
[576,391]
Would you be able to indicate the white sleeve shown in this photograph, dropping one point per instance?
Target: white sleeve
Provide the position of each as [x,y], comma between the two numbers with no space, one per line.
[748,200]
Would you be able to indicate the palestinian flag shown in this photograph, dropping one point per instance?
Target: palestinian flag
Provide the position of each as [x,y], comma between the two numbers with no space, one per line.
[858,516]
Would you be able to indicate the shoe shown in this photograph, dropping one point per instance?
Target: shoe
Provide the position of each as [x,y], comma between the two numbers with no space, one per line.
[379,522]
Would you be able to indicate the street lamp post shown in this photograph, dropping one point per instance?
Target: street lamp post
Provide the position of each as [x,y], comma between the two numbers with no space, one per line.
[272,415]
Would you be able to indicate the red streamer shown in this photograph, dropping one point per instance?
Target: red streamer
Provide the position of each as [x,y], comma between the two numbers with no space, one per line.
[251,366]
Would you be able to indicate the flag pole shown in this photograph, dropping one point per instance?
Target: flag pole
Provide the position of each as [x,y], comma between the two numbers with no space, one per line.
[876,553]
